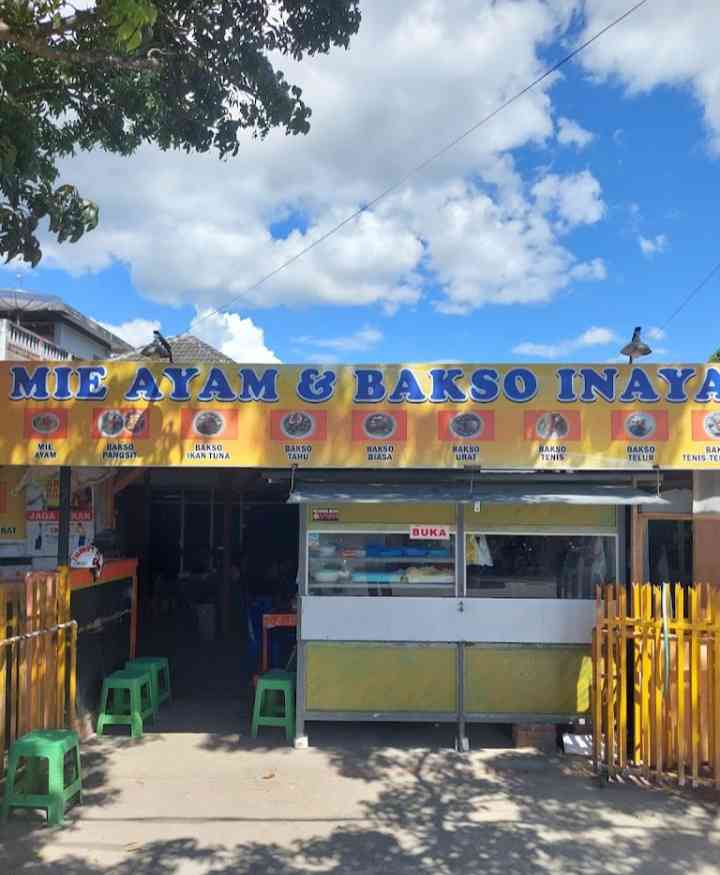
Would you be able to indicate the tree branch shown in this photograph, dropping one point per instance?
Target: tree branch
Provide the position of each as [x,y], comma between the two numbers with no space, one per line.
[41,49]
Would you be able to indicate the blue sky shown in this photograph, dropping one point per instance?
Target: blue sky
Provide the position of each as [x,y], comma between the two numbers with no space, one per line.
[537,239]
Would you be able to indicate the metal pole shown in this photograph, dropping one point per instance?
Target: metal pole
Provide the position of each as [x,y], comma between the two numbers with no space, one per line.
[301,740]
[211,534]
[182,530]
[463,742]
[460,562]
[65,498]
[226,600]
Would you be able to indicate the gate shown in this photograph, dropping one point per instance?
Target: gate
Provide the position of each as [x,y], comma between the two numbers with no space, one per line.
[656,681]
[38,656]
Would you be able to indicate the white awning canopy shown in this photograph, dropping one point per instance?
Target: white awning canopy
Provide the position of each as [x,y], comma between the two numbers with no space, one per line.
[491,493]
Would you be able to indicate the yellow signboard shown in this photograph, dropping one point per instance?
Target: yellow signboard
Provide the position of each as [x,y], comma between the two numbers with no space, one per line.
[424,416]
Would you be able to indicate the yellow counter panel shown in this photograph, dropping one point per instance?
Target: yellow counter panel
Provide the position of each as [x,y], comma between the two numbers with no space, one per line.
[370,677]
[528,680]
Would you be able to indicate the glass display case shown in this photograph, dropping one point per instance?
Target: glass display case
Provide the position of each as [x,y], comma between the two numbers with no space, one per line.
[539,566]
[368,563]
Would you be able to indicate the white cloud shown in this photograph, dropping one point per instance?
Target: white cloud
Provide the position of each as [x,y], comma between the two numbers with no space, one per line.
[666,42]
[576,198]
[194,230]
[595,336]
[239,338]
[653,245]
[570,133]
[655,333]
[234,336]
[136,332]
[361,340]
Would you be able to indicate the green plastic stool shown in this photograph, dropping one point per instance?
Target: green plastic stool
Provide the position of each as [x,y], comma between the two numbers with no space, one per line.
[52,745]
[283,682]
[138,705]
[160,668]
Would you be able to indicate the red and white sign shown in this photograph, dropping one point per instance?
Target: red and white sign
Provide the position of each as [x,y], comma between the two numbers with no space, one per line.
[429,533]
[325,515]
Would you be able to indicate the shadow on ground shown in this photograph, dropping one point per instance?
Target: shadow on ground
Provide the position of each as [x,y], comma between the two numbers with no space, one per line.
[434,812]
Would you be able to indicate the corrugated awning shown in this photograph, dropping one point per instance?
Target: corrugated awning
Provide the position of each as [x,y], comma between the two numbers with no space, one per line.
[491,493]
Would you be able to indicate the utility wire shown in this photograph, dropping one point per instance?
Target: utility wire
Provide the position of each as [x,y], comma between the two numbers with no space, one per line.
[686,300]
[423,164]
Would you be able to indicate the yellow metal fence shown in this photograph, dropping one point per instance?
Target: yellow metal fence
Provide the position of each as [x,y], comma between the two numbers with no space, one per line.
[656,681]
[38,656]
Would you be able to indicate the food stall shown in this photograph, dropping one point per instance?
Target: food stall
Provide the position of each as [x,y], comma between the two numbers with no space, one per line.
[454,520]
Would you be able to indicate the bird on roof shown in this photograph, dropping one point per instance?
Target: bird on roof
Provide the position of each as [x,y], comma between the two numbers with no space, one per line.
[636,348]
[158,347]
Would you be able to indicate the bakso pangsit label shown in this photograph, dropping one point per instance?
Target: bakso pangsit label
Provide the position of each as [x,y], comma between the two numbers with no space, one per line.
[414,416]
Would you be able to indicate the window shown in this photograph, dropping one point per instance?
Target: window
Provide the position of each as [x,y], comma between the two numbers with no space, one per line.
[379,564]
[539,566]
[669,551]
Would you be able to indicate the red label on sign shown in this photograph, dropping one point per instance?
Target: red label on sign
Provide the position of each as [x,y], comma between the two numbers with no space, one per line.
[430,533]
[120,423]
[640,425]
[209,425]
[298,425]
[53,516]
[46,424]
[467,427]
[325,515]
[547,426]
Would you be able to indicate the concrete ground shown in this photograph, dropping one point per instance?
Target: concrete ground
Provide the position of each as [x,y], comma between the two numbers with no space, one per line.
[195,795]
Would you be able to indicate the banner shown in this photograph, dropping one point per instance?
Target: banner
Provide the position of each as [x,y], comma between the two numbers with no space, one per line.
[12,505]
[42,515]
[409,416]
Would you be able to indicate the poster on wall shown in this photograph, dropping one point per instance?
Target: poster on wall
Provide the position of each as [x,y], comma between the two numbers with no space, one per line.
[504,416]
[12,506]
[42,517]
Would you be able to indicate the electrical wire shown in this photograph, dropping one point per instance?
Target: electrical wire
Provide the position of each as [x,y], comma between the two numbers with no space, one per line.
[421,166]
[686,300]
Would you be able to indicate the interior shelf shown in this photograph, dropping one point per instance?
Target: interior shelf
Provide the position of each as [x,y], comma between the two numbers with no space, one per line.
[396,585]
[384,560]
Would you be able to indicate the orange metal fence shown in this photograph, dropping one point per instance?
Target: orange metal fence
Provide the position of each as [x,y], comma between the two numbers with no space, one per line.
[38,656]
[656,681]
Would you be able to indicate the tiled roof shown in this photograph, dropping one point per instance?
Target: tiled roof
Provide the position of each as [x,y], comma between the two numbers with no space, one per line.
[186,349]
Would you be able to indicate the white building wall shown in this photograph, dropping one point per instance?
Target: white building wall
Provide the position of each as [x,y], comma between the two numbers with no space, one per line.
[79,344]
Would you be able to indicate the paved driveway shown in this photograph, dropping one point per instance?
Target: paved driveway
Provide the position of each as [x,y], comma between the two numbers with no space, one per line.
[195,797]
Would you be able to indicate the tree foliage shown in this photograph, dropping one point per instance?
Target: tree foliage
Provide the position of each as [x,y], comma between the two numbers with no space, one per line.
[184,74]
[715,357]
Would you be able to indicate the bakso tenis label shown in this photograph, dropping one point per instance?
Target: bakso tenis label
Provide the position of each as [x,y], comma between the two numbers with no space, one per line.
[706,425]
[553,425]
